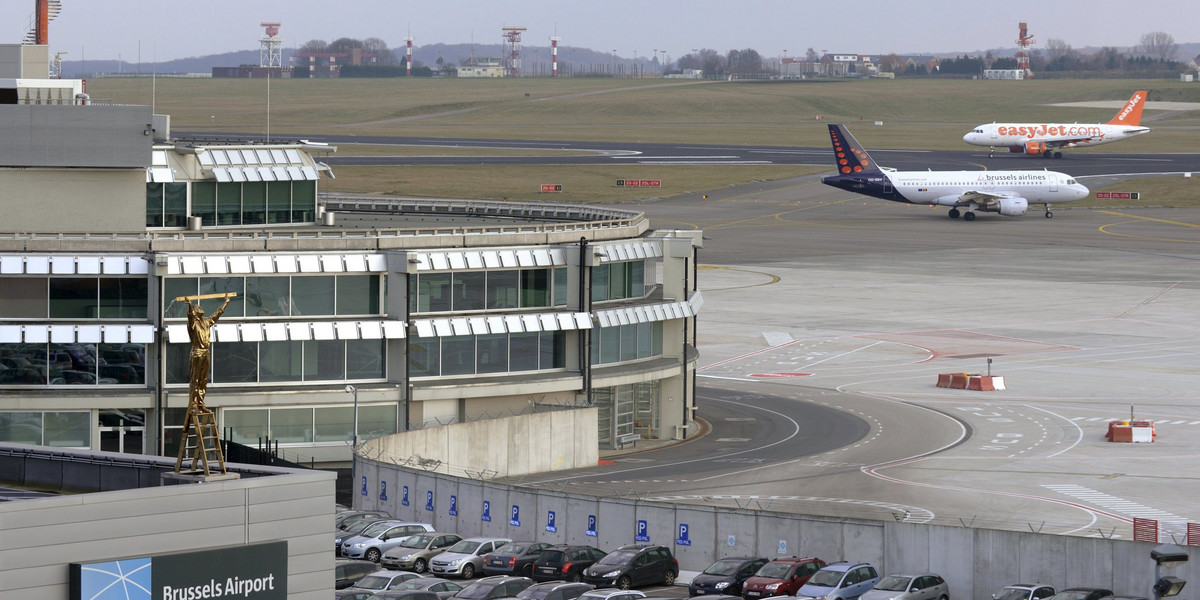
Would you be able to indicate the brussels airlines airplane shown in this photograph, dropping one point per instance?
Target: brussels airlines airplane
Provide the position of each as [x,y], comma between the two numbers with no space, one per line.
[1006,192]
[1047,138]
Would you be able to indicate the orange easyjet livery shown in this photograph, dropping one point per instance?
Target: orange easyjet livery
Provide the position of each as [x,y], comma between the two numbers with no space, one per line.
[1048,139]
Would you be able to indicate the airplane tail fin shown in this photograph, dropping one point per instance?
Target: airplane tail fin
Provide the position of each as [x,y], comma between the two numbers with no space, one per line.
[849,155]
[1131,113]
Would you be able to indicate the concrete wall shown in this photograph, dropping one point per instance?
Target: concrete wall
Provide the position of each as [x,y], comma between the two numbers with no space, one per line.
[40,537]
[531,443]
[82,200]
[975,562]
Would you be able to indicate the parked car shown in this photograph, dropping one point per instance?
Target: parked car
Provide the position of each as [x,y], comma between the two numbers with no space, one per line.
[633,565]
[404,595]
[612,594]
[379,537]
[413,554]
[783,576]
[346,571]
[922,586]
[382,580]
[340,536]
[444,588]
[1082,593]
[840,581]
[565,562]
[725,576]
[1024,591]
[345,519]
[352,594]
[513,558]
[554,590]
[496,586]
[465,558]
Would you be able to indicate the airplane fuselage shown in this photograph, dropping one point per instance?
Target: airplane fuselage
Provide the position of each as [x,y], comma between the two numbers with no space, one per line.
[1050,135]
[948,187]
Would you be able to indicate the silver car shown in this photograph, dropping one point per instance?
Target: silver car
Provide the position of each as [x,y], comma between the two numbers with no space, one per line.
[379,537]
[465,559]
[924,586]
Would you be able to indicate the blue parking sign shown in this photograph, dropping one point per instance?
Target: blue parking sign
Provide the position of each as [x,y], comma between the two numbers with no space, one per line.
[683,540]
[404,496]
[550,522]
[453,505]
[383,491]
[487,511]
[591,526]
[429,500]
[515,521]
[643,532]
[364,486]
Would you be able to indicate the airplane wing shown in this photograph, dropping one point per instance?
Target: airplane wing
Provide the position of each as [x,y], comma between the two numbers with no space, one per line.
[985,200]
[1066,143]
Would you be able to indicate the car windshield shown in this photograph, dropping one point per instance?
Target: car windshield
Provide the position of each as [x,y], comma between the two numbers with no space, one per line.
[551,556]
[774,570]
[465,547]
[412,584]
[618,557]
[1011,593]
[417,541]
[511,548]
[825,578]
[723,567]
[475,590]
[535,594]
[893,583]
[373,582]
[359,526]
[377,528]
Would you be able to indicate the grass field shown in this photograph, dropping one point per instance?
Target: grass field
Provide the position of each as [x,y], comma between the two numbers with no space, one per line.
[918,114]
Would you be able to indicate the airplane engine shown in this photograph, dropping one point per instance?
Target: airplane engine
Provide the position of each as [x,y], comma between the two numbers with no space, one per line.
[1013,207]
[1035,147]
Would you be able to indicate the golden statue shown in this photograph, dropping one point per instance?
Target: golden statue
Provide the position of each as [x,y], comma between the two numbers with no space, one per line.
[199,330]
[200,441]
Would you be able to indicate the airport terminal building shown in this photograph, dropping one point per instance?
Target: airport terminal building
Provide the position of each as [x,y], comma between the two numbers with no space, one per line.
[367,315]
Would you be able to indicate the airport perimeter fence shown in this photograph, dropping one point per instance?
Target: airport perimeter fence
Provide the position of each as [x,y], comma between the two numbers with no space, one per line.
[976,562]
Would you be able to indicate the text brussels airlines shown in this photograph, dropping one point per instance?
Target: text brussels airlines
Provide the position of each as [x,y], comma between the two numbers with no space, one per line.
[232,587]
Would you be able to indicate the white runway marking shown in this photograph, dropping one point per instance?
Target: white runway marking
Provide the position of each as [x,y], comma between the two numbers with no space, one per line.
[1112,502]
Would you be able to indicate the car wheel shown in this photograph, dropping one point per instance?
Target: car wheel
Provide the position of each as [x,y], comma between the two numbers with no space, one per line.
[623,582]
[669,578]
[372,555]
[574,577]
[419,566]
[527,571]
[468,571]
[944,597]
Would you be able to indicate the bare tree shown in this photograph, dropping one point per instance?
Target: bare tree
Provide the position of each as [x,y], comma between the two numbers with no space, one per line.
[314,46]
[378,47]
[1159,44]
[1057,49]
[811,56]
[891,63]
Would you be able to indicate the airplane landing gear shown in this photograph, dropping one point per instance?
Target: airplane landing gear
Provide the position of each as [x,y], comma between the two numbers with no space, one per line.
[1049,213]
[1058,155]
[1046,154]
[954,213]
[991,151]
[969,216]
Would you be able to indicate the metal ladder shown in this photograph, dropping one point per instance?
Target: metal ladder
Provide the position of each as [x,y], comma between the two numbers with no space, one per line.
[201,442]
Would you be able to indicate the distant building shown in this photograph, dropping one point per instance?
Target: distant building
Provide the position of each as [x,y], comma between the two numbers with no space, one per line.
[847,65]
[252,72]
[488,66]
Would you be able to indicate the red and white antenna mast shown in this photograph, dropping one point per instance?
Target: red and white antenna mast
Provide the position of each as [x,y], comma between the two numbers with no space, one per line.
[554,56]
[1024,41]
[408,55]
[512,42]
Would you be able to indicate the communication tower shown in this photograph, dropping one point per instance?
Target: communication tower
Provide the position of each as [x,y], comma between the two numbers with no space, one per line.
[554,55]
[408,55]
[1024,41]
[512,45]
[270,49]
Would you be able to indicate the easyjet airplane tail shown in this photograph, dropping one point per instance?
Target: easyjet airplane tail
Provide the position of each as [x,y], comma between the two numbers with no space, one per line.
[849,155]
[1131,114]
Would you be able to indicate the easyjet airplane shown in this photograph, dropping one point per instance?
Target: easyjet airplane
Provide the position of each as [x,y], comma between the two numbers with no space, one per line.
[1047,138]
[1006,192]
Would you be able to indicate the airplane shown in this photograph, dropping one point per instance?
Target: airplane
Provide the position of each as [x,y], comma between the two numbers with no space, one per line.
[1006,192]
[1047,138]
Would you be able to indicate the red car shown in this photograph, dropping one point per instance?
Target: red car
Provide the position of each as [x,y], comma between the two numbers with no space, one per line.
[781,577]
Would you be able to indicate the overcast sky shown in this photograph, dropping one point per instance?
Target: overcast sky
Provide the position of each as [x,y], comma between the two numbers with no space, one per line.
[168,29]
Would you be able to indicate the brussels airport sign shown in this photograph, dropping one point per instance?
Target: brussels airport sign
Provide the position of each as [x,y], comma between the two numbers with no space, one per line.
[255,572]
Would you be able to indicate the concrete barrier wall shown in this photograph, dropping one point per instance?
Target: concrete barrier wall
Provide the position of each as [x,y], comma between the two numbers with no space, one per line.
[975,562]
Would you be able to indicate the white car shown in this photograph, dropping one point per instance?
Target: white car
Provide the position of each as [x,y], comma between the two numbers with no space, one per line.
[465,559]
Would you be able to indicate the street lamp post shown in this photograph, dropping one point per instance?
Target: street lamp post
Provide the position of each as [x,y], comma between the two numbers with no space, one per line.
[353,390]
[1168,556]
